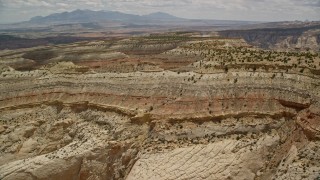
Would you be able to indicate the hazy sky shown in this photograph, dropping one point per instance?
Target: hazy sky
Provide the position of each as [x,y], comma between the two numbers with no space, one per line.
[261,10]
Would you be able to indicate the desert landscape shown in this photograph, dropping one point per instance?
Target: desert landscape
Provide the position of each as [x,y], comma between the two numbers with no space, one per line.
[233,101]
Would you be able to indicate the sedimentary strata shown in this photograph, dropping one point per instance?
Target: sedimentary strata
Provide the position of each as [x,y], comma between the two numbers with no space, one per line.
[72,122]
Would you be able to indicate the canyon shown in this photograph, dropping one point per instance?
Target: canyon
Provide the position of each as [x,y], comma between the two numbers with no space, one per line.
[163,106]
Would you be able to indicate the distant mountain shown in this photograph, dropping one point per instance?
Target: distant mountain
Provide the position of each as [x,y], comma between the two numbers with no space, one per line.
[84,16]
[83,20]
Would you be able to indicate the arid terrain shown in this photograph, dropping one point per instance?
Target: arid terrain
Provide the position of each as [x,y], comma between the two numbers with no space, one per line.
[174,105]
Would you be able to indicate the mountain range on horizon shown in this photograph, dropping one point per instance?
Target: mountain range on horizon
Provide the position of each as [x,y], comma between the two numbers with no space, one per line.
[90,16]
[84,16]
[106,19]
[103,19]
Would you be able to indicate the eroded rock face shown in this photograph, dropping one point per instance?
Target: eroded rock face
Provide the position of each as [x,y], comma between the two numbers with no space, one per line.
[62,123]
[298,37]
[222,160]
[309,120]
